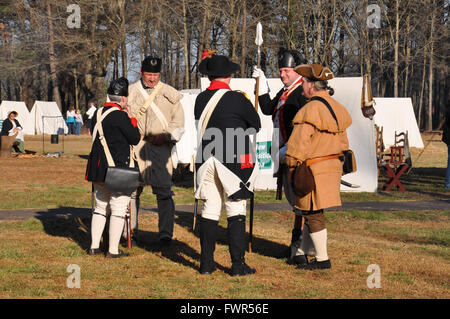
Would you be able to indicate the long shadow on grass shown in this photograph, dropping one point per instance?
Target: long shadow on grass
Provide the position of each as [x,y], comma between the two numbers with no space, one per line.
[178,252]
[74,223]
[260,245]
[70,222]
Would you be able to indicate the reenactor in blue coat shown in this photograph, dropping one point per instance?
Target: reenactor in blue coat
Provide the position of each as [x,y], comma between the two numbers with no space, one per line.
[120,131]
[226,164]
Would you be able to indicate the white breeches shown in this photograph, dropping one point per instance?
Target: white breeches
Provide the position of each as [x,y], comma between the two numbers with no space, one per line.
[105,201]
[212,191]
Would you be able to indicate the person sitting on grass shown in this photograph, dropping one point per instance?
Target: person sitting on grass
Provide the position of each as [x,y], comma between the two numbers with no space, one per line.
[11,127]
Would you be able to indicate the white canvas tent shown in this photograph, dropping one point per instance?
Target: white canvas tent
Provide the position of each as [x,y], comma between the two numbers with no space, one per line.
[48,118]
[24,117]
[186,146]
[361,134]
[397,114]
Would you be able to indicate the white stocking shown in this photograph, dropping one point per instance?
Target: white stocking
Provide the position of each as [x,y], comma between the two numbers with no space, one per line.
[319,240]
[116,225]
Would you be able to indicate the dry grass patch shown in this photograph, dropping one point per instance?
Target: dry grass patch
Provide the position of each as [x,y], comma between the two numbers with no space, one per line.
[36,253]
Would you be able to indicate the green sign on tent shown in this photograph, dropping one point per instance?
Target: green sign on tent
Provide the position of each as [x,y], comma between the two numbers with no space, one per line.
[263,154]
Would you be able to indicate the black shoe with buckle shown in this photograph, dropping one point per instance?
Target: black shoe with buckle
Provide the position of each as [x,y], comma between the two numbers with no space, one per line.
[120,254]
[325,264]
[94,251]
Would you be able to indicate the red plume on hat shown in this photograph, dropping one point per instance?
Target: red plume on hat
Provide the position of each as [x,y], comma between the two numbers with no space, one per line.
[208,53]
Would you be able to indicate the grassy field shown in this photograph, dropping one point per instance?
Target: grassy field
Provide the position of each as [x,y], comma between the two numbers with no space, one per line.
[410,248]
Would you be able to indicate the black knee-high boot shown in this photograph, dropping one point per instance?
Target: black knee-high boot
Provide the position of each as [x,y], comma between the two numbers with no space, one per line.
[237,244]
[208,232]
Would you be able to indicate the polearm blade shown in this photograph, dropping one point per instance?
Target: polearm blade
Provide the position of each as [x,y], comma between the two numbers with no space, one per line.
[259,38]
[258,42]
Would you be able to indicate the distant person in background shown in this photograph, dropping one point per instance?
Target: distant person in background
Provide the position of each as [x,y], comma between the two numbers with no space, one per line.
[90,113]
[78,122]
[70,120]
[11,127]
[446,140]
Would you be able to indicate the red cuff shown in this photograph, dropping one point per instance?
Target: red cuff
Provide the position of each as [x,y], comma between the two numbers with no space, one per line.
[133,122]
[246,161]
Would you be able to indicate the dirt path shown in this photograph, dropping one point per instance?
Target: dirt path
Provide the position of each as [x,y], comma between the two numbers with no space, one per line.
[68,212]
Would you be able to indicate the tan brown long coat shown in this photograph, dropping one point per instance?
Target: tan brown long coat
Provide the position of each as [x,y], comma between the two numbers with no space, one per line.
[316,134]
[155,162]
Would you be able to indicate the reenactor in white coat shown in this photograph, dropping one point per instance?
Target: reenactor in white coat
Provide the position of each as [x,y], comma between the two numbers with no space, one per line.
[160,116]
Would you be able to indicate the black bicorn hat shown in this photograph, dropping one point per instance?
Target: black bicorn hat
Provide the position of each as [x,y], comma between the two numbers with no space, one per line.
[218,65]
[288,58]
[118,87]
[151,64]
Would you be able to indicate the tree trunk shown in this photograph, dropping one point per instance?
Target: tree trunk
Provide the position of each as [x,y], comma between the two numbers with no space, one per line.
[318,32]
[422,87]
[75,80]
[235,12]
[177,65]
[305,34]
[430,73]
[52,59]
[116,64]
[142,43]
[244,38]
[123,45]
[408,54]
[396,63]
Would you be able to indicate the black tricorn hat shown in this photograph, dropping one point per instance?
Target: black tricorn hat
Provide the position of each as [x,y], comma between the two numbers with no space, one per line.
[288,58]
[218,65]
[151,64]
[118,87]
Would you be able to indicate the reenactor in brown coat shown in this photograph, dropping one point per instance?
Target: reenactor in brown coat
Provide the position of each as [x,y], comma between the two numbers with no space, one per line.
[318,138]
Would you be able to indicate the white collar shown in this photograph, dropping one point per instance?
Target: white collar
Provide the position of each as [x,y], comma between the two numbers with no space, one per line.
[293,83]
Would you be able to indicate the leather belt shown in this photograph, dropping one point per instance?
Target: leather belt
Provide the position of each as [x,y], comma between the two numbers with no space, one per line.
[322,158]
